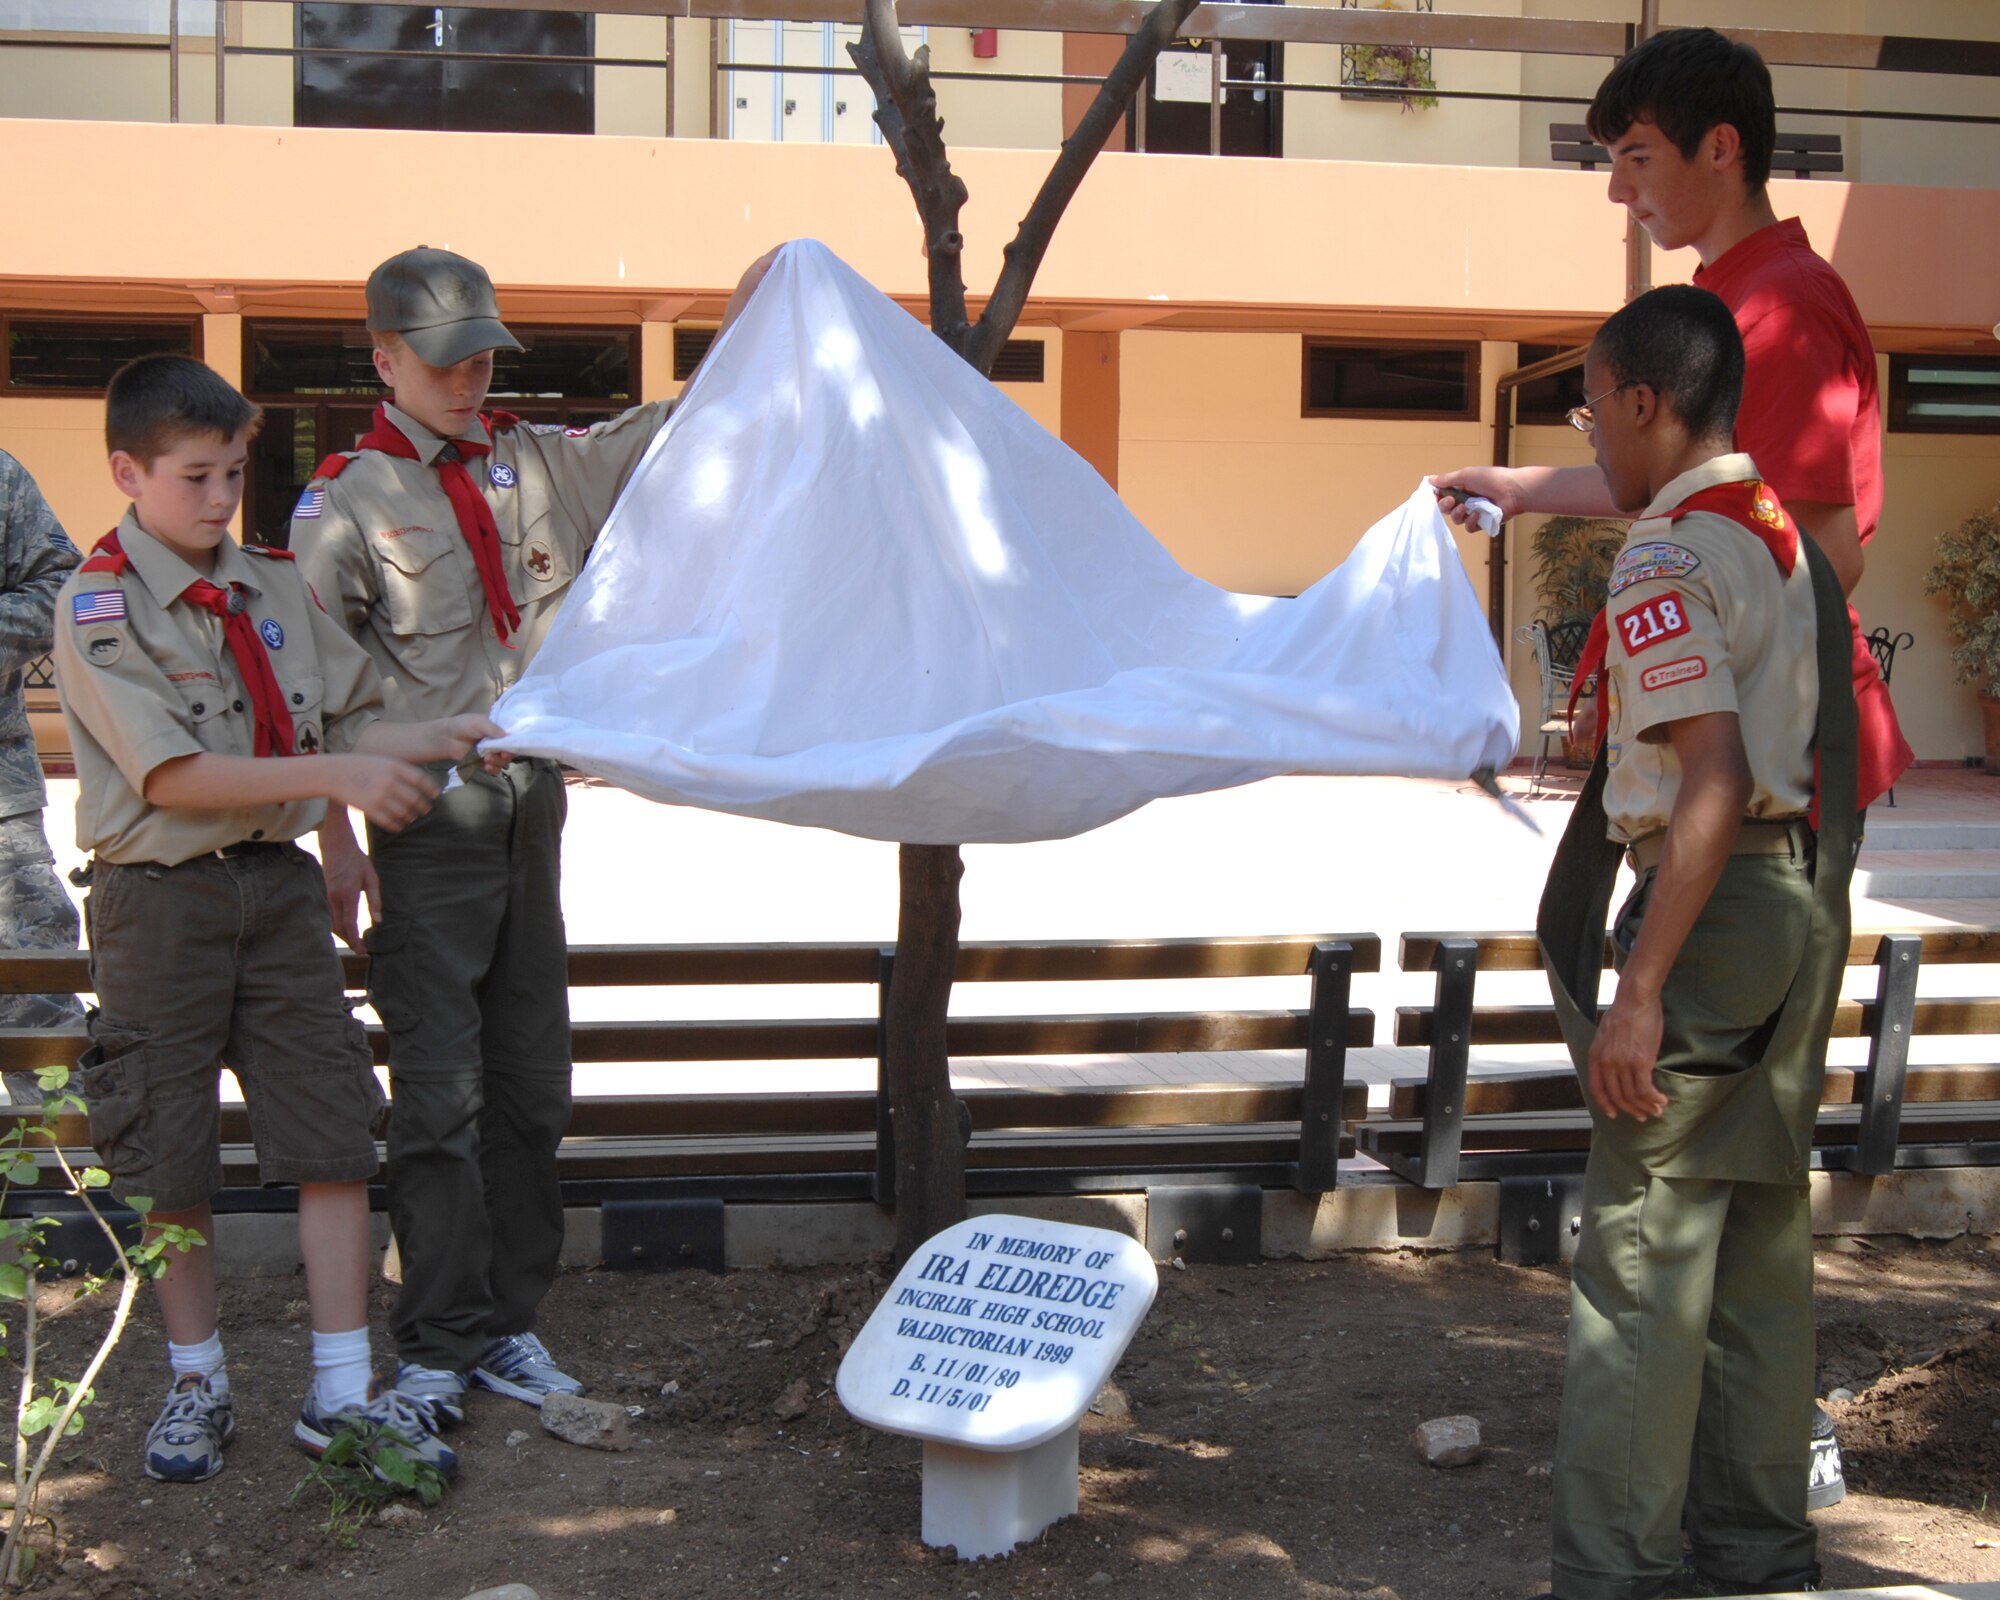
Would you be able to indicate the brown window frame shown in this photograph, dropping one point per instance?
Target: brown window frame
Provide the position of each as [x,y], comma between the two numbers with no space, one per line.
[1469,348]
[192,322]
[1899,418]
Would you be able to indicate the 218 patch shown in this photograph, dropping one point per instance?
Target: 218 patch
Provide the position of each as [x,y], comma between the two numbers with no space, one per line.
[1651,621]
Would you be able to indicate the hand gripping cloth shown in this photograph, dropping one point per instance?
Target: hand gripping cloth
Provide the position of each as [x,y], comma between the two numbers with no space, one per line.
[854,586]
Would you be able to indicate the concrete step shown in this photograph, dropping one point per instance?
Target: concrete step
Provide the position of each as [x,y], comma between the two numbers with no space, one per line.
[1887,831]
[1926,874]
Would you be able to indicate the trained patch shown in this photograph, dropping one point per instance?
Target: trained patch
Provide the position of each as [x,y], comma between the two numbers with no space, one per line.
[311,503]
[100,605]
[1667,673]
[502,475]
[576,433]
[274,636]
[1651,622]
[103,646]
[1641,563]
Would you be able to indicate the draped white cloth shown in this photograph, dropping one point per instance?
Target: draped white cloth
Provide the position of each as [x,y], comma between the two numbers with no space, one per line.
[854,586]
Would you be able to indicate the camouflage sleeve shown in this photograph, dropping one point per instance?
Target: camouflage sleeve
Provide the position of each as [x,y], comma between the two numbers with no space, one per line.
[333,557]
[38,557]
[589,467]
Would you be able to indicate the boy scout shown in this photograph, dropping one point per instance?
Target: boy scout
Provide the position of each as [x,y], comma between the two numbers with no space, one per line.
[1691,1317]
[445,543]
[213,707]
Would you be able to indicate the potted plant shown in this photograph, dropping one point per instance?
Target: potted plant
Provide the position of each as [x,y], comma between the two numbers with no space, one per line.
[1380,71]
[1967,572]
[1573,557]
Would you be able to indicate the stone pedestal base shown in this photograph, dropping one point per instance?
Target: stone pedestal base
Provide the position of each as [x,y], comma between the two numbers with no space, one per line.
[984,1502]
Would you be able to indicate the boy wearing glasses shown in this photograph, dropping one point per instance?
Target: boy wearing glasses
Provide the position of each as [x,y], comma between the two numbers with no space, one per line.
[1690,121]
[1727,776]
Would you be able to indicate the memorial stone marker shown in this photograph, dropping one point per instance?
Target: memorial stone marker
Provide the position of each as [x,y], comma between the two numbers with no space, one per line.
[989,1347]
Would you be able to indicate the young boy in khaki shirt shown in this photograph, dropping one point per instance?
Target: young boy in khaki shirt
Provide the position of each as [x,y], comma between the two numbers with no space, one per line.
[445,544]
[214,708]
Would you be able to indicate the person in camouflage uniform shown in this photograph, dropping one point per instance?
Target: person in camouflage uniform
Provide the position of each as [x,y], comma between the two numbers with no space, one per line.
[36,913]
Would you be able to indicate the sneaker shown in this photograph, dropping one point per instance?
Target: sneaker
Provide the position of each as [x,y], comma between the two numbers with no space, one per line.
[520,1367]
[393,1413]
[185,1443]
[438,1392]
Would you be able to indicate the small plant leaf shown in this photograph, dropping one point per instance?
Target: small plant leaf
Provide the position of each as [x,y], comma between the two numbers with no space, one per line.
[13,1282]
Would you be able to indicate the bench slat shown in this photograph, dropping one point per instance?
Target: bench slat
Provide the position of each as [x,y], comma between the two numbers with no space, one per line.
[1852,1019]
[1518,952]
[1512,1093]
[991,961]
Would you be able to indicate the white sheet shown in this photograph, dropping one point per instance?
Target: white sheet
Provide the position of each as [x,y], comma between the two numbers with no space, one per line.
[854,586]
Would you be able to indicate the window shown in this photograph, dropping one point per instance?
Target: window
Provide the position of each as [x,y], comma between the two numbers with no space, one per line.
[820,100]
[316,382]
[1547,400]
[1418,380]
[1944,394]
[1019,361]
[77,355]
[103,16]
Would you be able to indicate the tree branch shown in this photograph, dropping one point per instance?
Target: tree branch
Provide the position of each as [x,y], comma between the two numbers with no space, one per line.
[1079,150]
[906,112]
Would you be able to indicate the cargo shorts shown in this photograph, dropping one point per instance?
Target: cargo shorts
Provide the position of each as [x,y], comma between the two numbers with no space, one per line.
[227,959]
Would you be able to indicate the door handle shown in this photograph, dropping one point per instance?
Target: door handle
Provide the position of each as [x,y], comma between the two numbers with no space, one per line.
[437,28]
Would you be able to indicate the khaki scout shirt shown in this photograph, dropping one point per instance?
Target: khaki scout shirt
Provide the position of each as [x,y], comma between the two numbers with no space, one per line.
[161,683]
[1702,620]
[382,547]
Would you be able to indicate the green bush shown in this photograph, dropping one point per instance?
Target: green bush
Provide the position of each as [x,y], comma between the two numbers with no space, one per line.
[1967,573]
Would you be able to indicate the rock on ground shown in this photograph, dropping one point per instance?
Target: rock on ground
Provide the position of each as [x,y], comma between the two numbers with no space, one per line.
[795,1402]
[506,1591]
[1448,1441]
[594,1424]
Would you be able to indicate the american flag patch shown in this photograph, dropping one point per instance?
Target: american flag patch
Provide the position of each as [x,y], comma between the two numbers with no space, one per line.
[100,605]
[310,503]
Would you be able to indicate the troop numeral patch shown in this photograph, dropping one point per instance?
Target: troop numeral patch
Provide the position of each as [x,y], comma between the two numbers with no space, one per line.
[1650,622]
[1685,670]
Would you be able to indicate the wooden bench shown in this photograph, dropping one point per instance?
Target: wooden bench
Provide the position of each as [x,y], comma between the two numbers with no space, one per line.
[1800,154]
[839,1144]
[1447,1125]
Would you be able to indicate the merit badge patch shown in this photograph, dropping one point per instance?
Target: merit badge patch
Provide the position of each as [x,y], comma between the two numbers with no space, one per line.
[1641,563]
[103,647]
[274,636]
[501,474]
[1668,673]
[1651,622]
[311,503]
[100,605]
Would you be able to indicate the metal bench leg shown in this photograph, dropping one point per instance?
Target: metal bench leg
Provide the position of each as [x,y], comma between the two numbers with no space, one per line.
[1457,966]
[1320,1119]
[1896,960]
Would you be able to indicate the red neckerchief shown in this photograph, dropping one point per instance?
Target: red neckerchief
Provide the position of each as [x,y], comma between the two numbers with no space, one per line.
[274,734]
[1752,506]
[475,516]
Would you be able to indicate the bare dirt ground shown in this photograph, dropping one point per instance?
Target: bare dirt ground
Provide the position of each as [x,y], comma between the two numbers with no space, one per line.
[1258,1445]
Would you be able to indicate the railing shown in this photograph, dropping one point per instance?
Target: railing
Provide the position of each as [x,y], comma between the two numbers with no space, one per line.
[1217,24]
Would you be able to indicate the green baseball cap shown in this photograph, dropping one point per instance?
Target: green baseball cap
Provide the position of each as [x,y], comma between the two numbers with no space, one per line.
[442,305]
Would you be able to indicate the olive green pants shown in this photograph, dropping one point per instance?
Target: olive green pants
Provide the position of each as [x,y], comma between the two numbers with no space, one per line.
[468,970]
[1691,1315]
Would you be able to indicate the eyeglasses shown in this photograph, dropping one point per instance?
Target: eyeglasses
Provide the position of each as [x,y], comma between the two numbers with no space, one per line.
[1580,418]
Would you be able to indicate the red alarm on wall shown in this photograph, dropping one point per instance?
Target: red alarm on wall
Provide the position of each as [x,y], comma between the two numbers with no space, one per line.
[985,43]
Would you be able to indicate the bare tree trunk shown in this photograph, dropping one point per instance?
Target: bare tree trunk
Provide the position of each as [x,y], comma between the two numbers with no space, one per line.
[931,1122]
[933,1125]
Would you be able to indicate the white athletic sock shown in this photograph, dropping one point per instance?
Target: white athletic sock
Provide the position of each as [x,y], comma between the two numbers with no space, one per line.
[340,1369]
[205,1358]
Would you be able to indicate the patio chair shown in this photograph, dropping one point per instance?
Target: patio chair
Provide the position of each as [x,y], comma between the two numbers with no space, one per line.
[1556,650]
[1883,645]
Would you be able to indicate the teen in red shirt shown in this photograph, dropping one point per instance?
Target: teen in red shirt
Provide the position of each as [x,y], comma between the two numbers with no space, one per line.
[1690,120]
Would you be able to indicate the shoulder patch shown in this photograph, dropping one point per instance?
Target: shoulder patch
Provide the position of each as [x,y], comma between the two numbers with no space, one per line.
[102,647]
[1642,563]
[269,551]
[310,505]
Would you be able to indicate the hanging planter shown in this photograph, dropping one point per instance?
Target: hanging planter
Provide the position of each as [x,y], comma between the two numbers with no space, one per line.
[1387,71]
